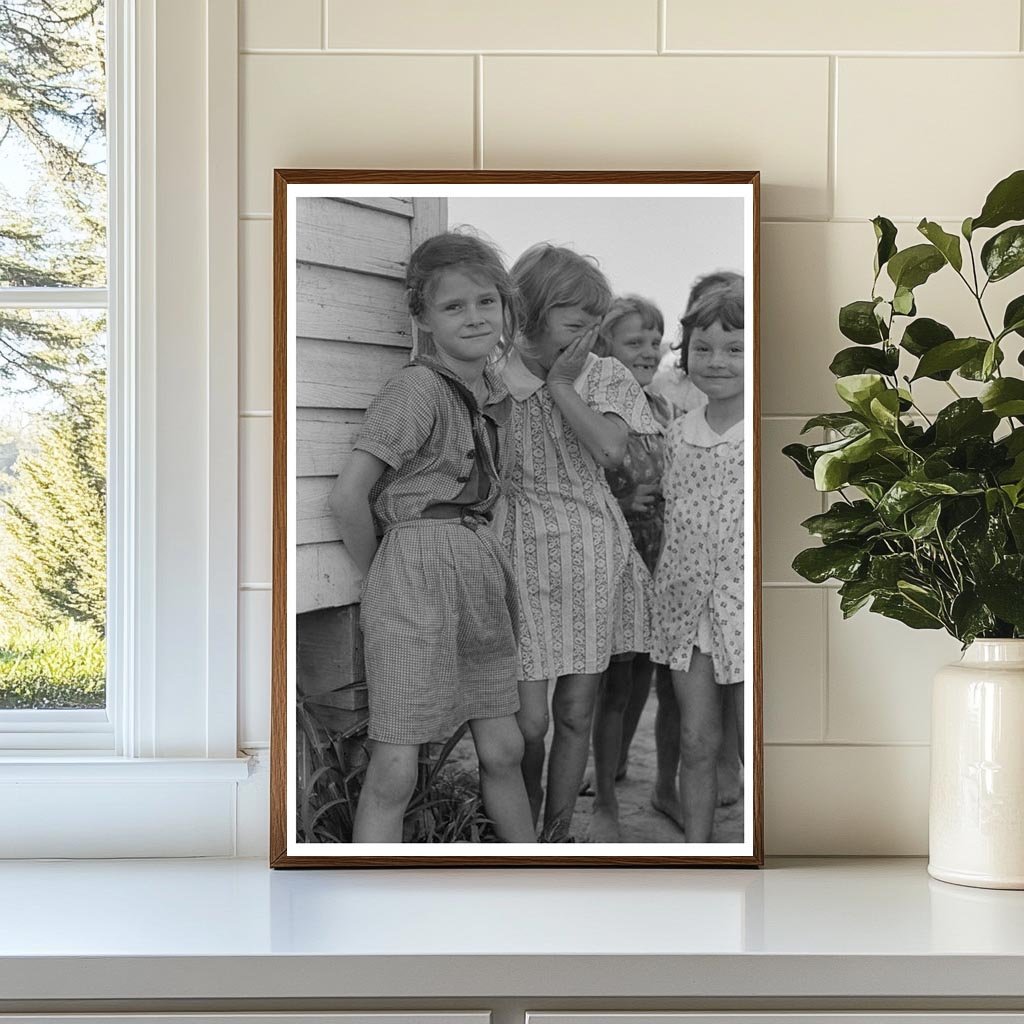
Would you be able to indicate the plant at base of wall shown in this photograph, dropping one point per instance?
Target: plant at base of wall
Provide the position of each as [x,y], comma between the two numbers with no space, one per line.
[928,520]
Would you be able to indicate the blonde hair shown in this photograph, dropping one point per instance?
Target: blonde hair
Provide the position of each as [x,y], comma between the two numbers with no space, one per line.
[548,276]
[651,319]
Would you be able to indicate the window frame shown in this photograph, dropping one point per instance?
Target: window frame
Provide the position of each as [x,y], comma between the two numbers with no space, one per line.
[173,466]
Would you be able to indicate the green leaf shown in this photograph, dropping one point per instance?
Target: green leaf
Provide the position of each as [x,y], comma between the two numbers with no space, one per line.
[947,244]
[850,361]
[858,389]
[900,609]
[974,368]
[950,355]
[833,421]
[854,594]
[1004,397]
[857,321]
[1005,202]
[970,617]
[1013,317]
[912,267]
[843,521]
[965,229]
[966,417]
[799,455]
[923,335]
[903,302]
[887,570]
[925,518]
[885,236]
[840,561]
[990,360]
[831,471]
[907,494]
[1006,599]
[885,409]
[1003,254]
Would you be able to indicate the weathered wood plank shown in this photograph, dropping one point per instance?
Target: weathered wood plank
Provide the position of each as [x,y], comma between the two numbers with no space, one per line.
[431,218]
[314,521]
[351,237]
[342,374]
[326,577]
[390,204]
[340,305]
[329,654]
[324,439]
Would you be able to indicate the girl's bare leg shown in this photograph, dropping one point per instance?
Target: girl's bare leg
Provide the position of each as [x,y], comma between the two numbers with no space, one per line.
[573,706]
[665,797]
[612,699]
[730,758]
[499,749]
[638,694]
[387,789]
[533,720]
[700,706]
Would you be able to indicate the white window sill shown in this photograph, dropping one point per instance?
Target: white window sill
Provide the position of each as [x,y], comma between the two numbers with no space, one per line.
[80,767]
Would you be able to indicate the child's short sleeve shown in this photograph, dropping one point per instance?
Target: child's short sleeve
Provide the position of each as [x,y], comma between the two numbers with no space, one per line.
[400,419]
[612,388]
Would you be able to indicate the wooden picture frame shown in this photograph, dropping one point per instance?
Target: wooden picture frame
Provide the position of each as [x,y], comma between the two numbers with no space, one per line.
[341,242]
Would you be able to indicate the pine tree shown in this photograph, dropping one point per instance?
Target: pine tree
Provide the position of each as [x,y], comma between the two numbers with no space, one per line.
[54,519]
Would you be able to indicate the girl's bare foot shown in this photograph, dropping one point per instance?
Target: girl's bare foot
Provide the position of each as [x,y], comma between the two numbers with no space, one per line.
[730,781]
[668,804]
[604,825]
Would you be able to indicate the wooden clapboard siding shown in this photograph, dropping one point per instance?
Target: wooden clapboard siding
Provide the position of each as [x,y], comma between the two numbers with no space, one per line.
[342,374]
[353,335]
[324,439]
[314,521]
[351,237]
[403,207]
[327,577]
[339,305]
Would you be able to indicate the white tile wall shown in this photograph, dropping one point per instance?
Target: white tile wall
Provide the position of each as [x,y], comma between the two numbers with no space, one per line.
[913,110]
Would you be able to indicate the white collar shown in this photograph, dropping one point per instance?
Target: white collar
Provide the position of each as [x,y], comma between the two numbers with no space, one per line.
[521,383]
[697,431]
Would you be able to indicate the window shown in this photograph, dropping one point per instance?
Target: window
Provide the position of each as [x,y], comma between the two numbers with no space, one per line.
[53,372]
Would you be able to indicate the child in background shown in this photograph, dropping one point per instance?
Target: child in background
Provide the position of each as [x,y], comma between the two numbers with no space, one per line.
[583,589]
[439,610]
[699,582]
[630,332]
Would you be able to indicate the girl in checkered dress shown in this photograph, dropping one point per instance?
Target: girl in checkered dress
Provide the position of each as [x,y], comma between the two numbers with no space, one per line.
[439,609]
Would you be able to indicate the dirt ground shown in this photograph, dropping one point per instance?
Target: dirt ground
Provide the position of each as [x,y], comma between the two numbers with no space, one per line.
[639,821]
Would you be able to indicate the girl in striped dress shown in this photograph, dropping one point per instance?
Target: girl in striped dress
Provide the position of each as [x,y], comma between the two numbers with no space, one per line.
[439,611]
[583,589]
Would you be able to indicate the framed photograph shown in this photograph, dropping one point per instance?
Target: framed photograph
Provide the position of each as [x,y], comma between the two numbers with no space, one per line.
[516,551]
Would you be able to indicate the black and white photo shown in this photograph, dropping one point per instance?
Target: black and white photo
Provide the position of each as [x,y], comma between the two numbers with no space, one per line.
[515,560]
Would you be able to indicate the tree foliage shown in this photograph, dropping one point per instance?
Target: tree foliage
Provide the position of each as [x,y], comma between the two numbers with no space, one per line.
[53,537]
[928,522]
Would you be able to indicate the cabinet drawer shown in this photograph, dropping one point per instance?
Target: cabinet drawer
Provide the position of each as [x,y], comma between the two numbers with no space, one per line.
[776,1018]
[360,1017]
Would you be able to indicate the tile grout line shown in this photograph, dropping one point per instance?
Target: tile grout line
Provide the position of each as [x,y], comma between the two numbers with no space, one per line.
[831,171]
[323,24]
[662,41]
[1020,23]
[825,722]
[768,55]
[478,111]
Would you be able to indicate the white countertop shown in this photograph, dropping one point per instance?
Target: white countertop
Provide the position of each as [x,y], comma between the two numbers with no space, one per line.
[235,929]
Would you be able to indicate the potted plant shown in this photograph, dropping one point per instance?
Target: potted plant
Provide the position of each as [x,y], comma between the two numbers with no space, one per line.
[927,525]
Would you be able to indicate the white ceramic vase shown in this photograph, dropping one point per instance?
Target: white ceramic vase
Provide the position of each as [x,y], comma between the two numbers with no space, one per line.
[976,813]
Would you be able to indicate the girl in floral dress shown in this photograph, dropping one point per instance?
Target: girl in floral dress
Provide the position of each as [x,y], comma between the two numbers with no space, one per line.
[584,591]
[631,332]
[699,583]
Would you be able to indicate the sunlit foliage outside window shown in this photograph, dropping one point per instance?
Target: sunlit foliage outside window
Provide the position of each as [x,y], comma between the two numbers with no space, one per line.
[53,216]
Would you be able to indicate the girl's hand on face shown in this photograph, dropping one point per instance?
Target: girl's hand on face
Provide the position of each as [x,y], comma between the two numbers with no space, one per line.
[571,360]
